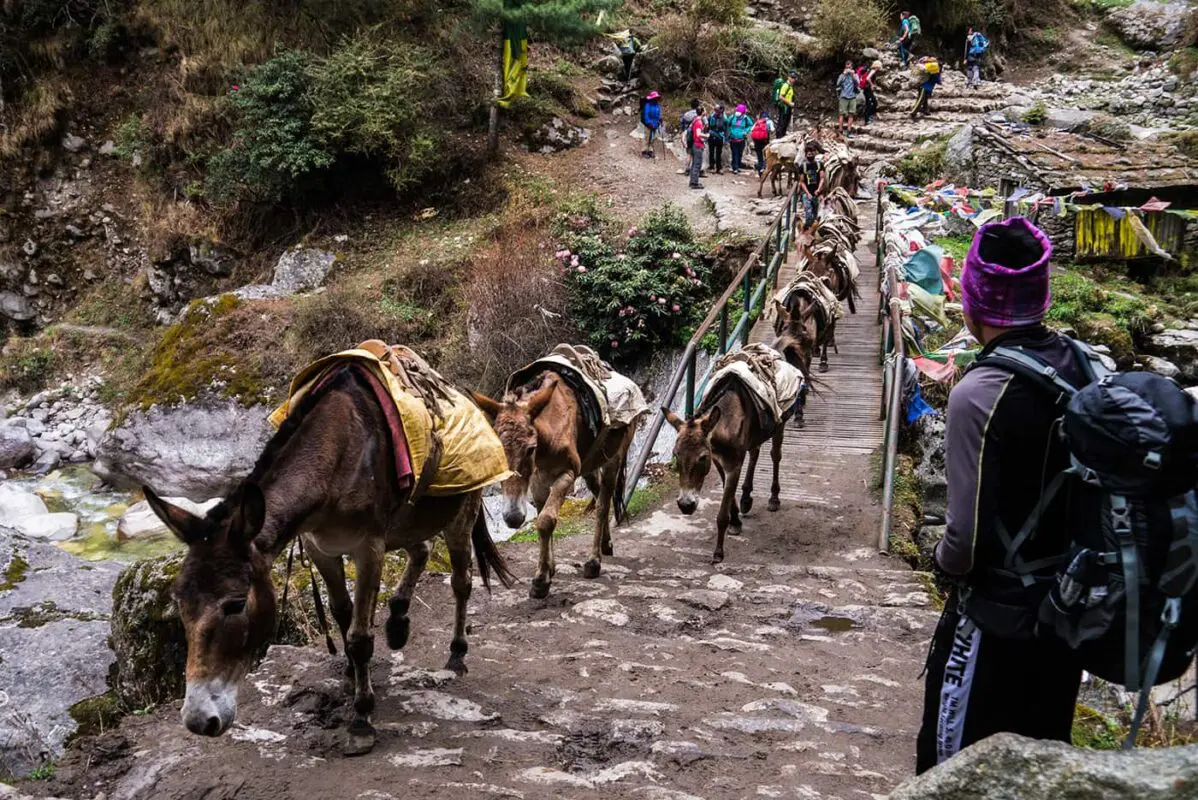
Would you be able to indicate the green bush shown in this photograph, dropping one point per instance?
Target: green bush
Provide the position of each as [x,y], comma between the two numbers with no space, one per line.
[924,165]
[629,300]
[1076,298]
[731,62]
[1037,114]
[845,28]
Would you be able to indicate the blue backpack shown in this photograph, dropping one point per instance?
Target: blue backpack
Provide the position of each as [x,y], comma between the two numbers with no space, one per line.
[979,45]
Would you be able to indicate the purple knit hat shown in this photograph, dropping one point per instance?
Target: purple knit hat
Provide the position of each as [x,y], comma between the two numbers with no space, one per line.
[1004,283]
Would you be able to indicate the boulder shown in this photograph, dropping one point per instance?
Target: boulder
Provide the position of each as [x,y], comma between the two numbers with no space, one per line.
[959,155]
[557,135]
[1160,366]
[16,307]
[140,520]
[1068,119]
[933,479]
[16,502]
[298,270]
[147,634]
[1151,24]
[609,65]
[197,450]
[1010,767]
[871,54]
[53,636]
[16,446]
[1181,348]
[55,527]
[72,143]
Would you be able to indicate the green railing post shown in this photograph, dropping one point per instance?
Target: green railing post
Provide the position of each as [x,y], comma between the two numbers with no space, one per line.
[724,329]
[689,400]
[748,290]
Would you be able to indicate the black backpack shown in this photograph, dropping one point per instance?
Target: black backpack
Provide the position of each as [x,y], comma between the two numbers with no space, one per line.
[1125,592]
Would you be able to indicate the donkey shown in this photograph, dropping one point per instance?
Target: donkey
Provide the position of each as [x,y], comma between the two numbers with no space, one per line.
[806,321]
[326,475]
[831,261]
[549,446]
[780,156]
[724,434]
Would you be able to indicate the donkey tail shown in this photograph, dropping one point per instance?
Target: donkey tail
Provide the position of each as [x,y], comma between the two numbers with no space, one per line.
[487,554]
[618,501]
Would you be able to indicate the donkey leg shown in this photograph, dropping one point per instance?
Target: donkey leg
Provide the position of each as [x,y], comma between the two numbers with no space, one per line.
[776,454]
[360,646]
[823,357]
[746,495]
[461,581]
[727,509]
[546,522]
[332,571]
[398,623]
[601,544]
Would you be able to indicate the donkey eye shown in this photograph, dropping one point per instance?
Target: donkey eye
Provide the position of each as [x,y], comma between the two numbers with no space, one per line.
[530,451]
[231,608]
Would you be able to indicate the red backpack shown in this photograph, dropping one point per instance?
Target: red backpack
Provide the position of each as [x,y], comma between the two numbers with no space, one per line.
[760,132]
[862,77]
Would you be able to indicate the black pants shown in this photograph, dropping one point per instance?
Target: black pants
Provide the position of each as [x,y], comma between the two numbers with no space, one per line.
[979,684]
[871,105]
[628,59]
[738,154]
[784,113]
[759,149]
[715,157]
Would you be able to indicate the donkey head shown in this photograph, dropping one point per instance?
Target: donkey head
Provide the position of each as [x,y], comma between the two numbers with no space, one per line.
[692,453]
[514,423]
[797,333]
[225,599]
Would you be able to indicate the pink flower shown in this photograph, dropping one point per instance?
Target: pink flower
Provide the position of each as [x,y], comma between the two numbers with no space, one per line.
[236,87]
[582,269]
[622,256]
[652,297]
[615,343]
[632,231]
[676,255]
[677,308]
[623,312]
[661,300]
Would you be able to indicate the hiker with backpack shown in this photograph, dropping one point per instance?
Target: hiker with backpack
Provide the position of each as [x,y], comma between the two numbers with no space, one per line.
[976,45]
[651,119]
[909,28]
[717,134]
[685,123]
[740,123]
[784,100]
[1072,517]
[760,134]
[867,77]
[929,68]
[698,135]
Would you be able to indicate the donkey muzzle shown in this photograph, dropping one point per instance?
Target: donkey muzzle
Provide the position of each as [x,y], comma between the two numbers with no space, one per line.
[209,706]
[687,504]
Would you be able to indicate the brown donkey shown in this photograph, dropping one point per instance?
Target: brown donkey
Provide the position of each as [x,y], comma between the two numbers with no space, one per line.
[729,428]
[549,446]
[328,474]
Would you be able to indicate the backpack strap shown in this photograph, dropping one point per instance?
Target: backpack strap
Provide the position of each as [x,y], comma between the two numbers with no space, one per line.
[1170,616]
[1121,526]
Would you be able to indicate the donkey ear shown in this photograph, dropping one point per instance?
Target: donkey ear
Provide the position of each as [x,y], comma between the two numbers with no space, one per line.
[782,311]
[676,421]
[187,527]
[249,514]
[539,399]
[490,407]
[710,420]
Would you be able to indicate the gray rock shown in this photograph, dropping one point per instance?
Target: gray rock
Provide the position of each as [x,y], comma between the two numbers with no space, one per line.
[108,148]
[16,447]
[1068,118]
[55,527]
[931,472]
[705,599]
[147,634]
[1179,347]
[29,248]
[1160,366]
[871,54]
[17,502]
[302,270]
[140,520]
[1150,24]
[609,65]
[53,634]
[197,450]
[16,307]
[72,143]
[959,155]
[213,259]
[1010,767]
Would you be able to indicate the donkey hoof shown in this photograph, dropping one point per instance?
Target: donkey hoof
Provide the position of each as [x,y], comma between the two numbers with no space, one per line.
[456,665]
[734,530]
[591,569]
[746,504]
[606,549]
[398,629]
[539,589]
[774,504]
[823,367]
[717,556]
[359,738]
[800,422]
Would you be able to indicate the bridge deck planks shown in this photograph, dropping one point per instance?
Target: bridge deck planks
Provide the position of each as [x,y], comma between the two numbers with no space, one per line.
[843,425]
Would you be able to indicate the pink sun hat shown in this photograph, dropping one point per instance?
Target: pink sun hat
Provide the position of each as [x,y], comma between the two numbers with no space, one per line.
[653,96]
[740,109]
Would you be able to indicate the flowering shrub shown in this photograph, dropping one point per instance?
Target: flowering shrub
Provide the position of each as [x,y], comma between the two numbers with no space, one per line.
[633,291]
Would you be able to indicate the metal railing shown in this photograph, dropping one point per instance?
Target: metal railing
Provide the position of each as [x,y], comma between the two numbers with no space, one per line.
[764,264]
[890,315]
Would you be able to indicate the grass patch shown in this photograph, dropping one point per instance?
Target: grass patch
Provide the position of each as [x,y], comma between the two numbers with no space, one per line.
[572,520]
[1111,312]
[1094,730]
[1037,114]
[26,365]
[922,166]
[955,246]
[15,572]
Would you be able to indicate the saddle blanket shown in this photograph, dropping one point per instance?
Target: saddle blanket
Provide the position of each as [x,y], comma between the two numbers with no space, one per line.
[773,384]
[818,291]
[616,398]
[472,456]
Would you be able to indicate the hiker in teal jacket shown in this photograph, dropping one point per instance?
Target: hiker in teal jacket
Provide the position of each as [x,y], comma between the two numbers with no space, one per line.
[739,125]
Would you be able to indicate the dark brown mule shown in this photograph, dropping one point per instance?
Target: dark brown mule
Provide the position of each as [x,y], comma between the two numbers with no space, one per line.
[729,429]
[327,474]
[824,260]
[803,330]
[549,446]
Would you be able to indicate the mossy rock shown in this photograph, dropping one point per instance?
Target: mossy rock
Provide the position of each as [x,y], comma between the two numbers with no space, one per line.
[147,634]
[1104,329]
[95,715]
